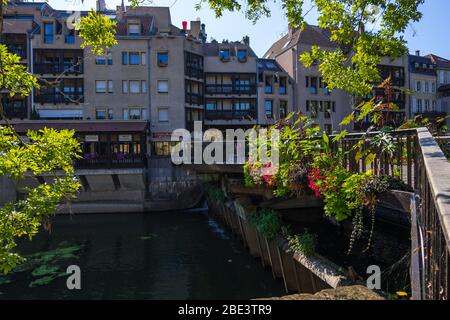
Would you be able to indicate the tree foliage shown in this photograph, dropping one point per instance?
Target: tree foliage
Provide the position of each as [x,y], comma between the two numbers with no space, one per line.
[98,32]
[49,153]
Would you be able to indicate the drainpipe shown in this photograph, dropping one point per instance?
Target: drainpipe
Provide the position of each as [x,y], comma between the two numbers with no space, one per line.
[31,65]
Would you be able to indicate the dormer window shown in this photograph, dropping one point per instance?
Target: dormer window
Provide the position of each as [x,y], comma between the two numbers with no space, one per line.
[134,29]
[242,55]
[224,54]
[49,32]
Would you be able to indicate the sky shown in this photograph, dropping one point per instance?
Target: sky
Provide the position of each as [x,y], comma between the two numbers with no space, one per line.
[430,35]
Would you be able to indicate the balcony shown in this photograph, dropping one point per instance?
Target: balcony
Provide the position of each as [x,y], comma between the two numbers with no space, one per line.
[194,72]
[444,90]
[230,114]
[115,161]
[228,89]
[65,68]
[16,109]
[194,99]
[57,98]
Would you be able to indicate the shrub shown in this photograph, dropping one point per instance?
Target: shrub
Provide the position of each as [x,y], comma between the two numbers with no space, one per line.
[214,193]
[268,223]
[304,243]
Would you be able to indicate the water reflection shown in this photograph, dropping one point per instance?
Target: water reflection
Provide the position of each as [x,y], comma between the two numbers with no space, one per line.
[177,255]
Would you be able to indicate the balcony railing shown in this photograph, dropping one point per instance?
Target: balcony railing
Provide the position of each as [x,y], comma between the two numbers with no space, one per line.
[422,164]
[230,114]
[194,99]
[113,162]
[194,72]
[227,89]
[56,98]
[66,68]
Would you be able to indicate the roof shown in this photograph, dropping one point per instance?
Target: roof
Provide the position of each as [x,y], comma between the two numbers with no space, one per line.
[212,48]
[82,126]
[146,25]
[416,65]
[268,65]
[439,61]
[312,35]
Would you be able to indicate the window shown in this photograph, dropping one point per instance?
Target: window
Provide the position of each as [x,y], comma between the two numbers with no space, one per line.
[282,88]
[242,55]
[327,109]
[418,86]
[224,54]
[110,58]
[163,115]
[211,106]
[269,108]
[135,86]
[163,59]
[163,148]
[124,86]
[427,105]
[328,128]
[163,86]
[110,86]
[143,58]
[134,114]
[419,105]
[134,58]
[48,32]
[100,60]
[314,109]
[433,106]
[100,114]
[134,29]
[124,58]
[100,86]
[70,37]
[144,86]
[268,89]
[283,109]
[313,85]
[426,89]
[433,87]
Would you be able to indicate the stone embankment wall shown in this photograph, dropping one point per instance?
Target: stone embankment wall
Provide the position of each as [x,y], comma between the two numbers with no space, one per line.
[300,274]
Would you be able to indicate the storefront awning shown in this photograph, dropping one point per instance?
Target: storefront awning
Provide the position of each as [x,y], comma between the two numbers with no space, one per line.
[83,126]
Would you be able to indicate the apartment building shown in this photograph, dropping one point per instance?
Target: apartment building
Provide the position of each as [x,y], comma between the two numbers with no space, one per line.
[442,66]
[275,92]
[230,85]
[423,89]
[167,76]
[311,96]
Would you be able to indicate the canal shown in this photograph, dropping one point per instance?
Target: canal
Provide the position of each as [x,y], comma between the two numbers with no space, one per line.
[175,255]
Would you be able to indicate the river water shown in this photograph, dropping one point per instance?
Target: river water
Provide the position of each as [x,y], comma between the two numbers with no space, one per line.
[174,255]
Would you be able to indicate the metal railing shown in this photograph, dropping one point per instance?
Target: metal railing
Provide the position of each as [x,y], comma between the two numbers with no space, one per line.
[58,68]
[112,162]
[226,89]
[230,114]
[420,160]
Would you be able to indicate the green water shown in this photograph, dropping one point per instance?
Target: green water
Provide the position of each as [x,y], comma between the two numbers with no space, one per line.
[175,255]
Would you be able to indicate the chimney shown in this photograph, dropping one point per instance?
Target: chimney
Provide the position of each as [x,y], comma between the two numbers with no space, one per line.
[418,53]
[203,35]
[195,29]
[246,40]
[101,6]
